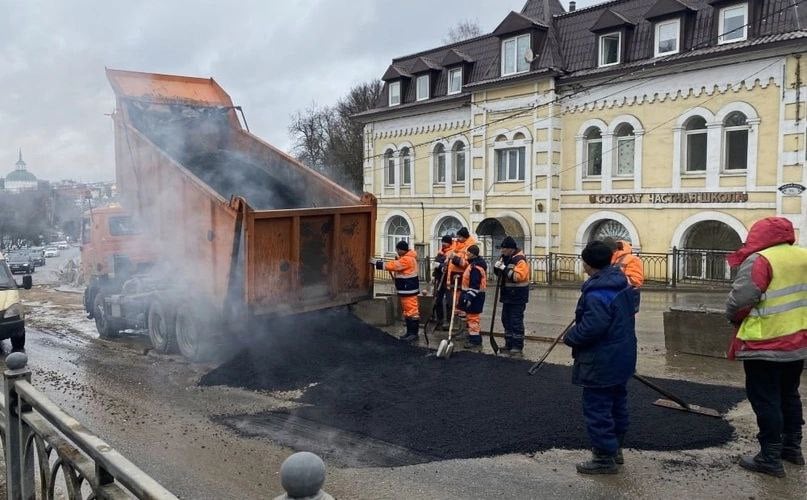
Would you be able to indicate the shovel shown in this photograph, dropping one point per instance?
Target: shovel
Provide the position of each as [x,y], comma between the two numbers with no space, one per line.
[534,368]
[493,344]
[675,403]
[431,323]
[446,346]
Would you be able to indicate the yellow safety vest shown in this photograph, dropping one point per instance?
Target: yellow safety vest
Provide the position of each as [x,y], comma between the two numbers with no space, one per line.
[783,308]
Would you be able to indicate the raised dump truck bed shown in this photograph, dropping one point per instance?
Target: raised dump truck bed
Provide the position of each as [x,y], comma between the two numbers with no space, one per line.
[242,228]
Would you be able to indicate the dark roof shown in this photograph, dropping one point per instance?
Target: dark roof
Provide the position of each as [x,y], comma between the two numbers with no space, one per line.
[454,56]
[664,8]
[609,20]
[567,46]
[515,22]
[423,64]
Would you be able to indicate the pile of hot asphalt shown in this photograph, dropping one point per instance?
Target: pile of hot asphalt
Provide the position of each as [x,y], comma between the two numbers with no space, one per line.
[361,383]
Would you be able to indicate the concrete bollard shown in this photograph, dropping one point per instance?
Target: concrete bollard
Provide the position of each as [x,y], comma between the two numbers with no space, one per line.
[302,476]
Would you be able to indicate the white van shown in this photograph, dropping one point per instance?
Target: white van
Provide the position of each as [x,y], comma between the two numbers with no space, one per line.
[12,312]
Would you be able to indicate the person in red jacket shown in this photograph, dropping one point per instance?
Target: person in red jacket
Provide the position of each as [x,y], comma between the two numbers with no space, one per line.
[407,286]
[768,304]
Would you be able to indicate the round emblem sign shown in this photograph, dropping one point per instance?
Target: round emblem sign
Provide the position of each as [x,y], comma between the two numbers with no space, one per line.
[791,189]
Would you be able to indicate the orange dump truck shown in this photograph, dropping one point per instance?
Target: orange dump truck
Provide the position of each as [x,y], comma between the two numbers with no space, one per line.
[224,229]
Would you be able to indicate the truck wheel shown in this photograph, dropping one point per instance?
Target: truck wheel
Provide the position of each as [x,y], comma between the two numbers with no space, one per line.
[105,326]
[162,328]
[192,334]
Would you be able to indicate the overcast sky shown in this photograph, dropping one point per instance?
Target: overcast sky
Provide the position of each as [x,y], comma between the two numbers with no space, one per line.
[272,57]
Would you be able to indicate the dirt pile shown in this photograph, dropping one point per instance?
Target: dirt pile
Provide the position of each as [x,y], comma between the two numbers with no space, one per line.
[369,385]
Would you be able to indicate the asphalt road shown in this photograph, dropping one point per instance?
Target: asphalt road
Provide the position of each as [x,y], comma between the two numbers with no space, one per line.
[150,408]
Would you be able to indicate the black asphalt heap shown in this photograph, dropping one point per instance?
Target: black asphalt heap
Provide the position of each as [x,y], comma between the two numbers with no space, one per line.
[370,387]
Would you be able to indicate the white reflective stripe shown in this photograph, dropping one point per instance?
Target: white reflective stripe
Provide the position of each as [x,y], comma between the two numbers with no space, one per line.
[405,276]
[408,292]
[470,289]
[523,283]
[767,311]
[785,291]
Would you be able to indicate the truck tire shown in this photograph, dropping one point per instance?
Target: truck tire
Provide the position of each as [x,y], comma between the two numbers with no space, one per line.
[192,334]
[105,326]
[162,327]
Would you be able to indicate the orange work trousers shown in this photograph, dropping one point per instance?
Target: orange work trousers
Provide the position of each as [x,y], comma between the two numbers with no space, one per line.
[473,320]
[409,306]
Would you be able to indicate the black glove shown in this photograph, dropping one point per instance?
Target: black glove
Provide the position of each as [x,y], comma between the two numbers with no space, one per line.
[379,264]
[456,260]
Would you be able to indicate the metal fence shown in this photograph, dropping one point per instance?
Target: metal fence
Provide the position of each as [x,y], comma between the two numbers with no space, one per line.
[680,266]
[45,446]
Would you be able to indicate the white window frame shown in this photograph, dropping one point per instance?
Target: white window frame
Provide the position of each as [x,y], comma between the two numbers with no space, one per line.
[677,23]
[685,156]
[519,168]
[389,161]
[451,74]
[722,21]
[586,152]
[454,170]
[618,49]
[724,167]
[437,157]
[394,85]
[390,240]
[619,140]
[419,96]
[403,160]
[515,41]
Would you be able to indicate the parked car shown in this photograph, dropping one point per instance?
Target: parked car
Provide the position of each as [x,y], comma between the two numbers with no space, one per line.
[38,254]
[62,245]
[51,252]
[12,312]
[20,261]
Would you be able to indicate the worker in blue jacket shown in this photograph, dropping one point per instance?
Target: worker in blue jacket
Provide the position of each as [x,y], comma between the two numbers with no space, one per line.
[603,342]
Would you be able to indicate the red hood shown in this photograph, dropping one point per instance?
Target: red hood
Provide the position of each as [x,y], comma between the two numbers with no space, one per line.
[765,233]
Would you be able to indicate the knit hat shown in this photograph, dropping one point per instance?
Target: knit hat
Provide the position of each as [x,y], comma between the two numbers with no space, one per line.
[597,255]
[402,245]
[463,233]
[447,239]
[473,249]
[610,243]
[508,242]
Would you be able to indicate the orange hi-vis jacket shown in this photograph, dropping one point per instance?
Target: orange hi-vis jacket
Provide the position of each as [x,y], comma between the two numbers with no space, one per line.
[405,268]
[630,264]
[459,261]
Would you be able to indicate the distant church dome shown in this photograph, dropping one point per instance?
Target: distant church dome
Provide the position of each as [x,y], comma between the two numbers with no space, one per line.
[20,179]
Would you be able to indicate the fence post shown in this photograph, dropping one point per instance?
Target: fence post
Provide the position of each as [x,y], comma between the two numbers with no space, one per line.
[675,266]
[18,477]
[549,268]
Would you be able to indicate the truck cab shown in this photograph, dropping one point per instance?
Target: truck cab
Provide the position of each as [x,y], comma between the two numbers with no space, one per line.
[12,312]
[113,248]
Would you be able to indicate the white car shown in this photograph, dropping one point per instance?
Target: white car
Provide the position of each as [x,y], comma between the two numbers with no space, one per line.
[62,245]
[51,252]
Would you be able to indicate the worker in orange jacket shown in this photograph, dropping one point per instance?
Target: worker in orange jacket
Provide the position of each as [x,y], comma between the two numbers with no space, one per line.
[407,286]
[472,300]
[457,263]
[630,265]
[439,273]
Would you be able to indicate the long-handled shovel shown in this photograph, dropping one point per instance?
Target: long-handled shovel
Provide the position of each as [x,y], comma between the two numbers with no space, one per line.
[446,346]
[431,323]
[493,344]
[534,368]
[675,403]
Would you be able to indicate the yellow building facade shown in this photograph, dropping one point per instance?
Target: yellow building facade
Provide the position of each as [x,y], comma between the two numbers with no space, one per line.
[679,151]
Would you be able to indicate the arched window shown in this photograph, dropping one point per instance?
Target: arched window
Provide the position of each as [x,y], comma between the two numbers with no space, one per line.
[593,151]
[439,164]
[501,138]
[397,230]
[518,136]
[447,226]
[459,163]
[735,138]
[406,167]
[609,228]
[695,144]
[389,168]
[625,147]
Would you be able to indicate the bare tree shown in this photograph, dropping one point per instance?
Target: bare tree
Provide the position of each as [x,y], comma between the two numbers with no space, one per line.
[463,30]
[328,139]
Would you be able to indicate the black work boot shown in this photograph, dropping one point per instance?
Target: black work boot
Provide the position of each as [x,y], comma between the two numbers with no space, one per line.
[767,461]
[412,326]
[600,463]
[619,459]
[791,449]
[474,343]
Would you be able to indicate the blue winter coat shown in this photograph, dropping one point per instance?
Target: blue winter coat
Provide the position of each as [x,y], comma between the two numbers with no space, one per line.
[603,339]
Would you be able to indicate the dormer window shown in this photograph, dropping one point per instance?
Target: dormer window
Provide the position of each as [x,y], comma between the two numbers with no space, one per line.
[733,24]
[514,55]
[422,87]
[454,81]
[394,93]
[668,35]
[610,48]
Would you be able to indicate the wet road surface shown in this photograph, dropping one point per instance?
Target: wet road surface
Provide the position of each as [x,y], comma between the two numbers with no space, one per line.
[150,408]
